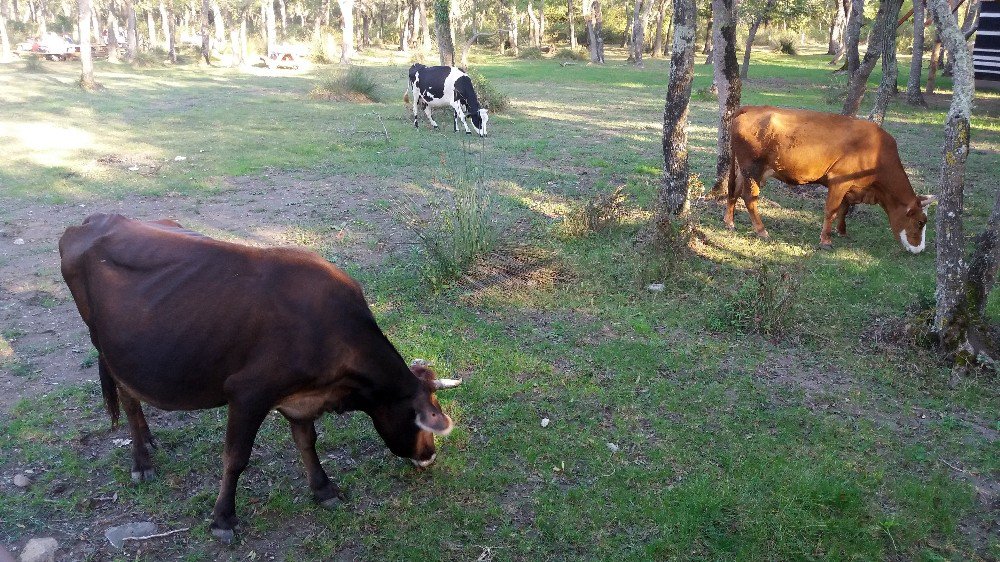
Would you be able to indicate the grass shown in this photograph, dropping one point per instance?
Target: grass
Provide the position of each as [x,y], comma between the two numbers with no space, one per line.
[826,443]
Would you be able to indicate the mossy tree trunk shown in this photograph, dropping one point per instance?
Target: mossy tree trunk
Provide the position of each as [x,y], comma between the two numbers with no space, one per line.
[885,23]
[672,199]
[442,27]
[727,78]
[852,35]
[887,86]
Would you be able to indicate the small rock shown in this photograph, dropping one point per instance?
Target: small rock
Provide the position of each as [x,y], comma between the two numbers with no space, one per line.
[117,535]
[19,242]
[22,481]
[180,158]
[655,287]
[545,422]
[40,550]
[613,447]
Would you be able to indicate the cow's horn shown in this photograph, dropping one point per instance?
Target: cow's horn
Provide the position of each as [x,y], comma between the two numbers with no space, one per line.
[928,200]
[442,384]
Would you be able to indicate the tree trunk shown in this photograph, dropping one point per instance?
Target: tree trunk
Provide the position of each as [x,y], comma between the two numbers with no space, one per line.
[661,15]
[347,30]
[442,27]
[270,26]
[220,23]
[112,42]
[533,34]
[971,17]
[206,31]
[887,87]
[165,25]
[761,18]
[5,53]
[572,24]
[284,16]
[150,29]
[708,31]
[425,31]
[838,27]
[727,78]
[512,29]
[541,22]
[885,23]
[852,36]
[639,29]
[932,67]
[171,32]
[87,81]
[913,93]
[41,15]
[961,292]
[595,38]
[672,199]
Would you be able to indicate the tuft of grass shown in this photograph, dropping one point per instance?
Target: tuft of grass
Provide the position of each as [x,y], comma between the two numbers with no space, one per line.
[784,43]
[489,96]
[765,302]
[356,85]
[530,53]
[601,212]
[34,64]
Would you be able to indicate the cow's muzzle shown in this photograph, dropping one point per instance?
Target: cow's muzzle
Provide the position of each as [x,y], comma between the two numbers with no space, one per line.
[424,464]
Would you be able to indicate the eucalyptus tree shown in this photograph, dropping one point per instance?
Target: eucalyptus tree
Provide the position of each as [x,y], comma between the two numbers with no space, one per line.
[727,79]
[87,81]
[595,23]
[442,27]
[347,30]
[913,93]
[883,33]
[760,13]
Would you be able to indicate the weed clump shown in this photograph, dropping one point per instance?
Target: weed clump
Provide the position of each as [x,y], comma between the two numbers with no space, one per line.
[572,54]
[489,96]
[355,85]
[784,43]
[765,302]
[601,212]
[34,64]
[530,53]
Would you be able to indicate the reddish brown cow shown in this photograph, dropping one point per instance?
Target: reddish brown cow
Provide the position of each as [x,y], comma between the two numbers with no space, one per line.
[855,159]
[185,322]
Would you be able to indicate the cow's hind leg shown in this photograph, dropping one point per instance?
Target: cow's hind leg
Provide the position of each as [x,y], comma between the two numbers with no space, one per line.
[751,193]
[325,492]
[835,201]
[429,111]
[845,209]
[142,439]
[241,429]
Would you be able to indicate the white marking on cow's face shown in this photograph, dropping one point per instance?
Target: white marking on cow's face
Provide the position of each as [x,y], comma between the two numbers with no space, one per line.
[426,463]
[911,247]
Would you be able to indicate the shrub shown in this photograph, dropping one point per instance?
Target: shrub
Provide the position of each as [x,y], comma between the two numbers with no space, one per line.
[765,302]
[572,54]
[603,211]
[530,53]
[356,84]
[34,64]
[785,43]
[489,97]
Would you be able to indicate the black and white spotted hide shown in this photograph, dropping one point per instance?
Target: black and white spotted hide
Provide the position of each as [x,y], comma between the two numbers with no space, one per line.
[432,87]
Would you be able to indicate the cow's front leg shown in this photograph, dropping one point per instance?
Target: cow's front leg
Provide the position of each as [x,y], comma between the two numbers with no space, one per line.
[428,111]
[325,492]
[751,193]
[460,111]
[845,208]
[415,118]
[241,429]
[835,201]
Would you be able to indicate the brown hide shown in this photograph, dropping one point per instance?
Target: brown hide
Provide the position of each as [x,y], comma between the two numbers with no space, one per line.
[855,159]
[185,322]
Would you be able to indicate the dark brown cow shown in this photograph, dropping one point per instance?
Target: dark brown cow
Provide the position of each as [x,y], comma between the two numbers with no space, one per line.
[855,159]
[185,322]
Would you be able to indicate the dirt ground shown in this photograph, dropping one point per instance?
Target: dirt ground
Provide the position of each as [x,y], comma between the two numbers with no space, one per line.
[347,221]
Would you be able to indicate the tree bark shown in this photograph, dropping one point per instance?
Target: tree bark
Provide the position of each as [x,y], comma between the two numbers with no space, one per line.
[219,21]
[913,94]
[533,34]
[838,27]
[270,26]
[761,19]
[887,87]
[971,17]
[206,31]
[171,32]
[425,30]
[5,53]
[852,36]
[112,42]
[953,303]
[885,23]
[595,21]
[572,24]
[672,199]
[347,30]
[150,29]
[87,81]
[661,15]
[165,25]
[726,70]
[932,67]
[442,27]
[708,31]
[639,30]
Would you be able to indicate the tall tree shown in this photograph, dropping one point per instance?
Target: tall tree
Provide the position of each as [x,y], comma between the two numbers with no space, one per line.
[672,198]
[171,32]
[962,287]
[595,37]
[852,35]
[112,42]
[727,79]
[890,72]
[87,81]
[534,33]
[347,30]
[639,21]
[425,32]
[442,27]
[206,31]
[661,16]
[761,17]
[5,53]
[165,25]
[708,32]
[913,93]
[572,25]
[838,27]
[883,31]
[270,26]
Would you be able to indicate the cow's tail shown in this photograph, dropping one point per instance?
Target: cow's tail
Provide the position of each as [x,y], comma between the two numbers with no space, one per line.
[110,391]
[406,96]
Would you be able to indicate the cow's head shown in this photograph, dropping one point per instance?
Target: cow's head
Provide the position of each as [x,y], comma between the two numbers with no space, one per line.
[479,119]
[910,225]
[408,425]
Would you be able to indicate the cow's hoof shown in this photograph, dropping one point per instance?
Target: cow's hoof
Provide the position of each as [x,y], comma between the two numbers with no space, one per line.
[825,246]
[763,235]
[224,535]
[468,132]
[331,503]
[435,126]
[730,225]
[139,476]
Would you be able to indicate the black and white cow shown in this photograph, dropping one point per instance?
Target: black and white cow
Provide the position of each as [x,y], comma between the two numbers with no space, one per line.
[446,86]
